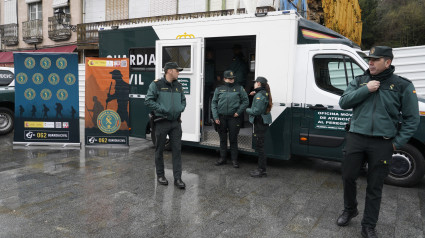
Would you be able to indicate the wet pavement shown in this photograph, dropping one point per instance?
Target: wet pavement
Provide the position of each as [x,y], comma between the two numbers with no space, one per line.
[109,192]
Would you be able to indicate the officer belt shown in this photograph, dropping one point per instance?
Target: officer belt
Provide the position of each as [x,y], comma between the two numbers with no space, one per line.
[375,137]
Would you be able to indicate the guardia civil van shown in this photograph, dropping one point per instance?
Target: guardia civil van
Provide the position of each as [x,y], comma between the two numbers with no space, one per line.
[308,66]
[7,99]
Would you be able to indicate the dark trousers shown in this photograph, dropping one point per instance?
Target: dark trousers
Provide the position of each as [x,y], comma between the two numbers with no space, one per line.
[174,130]
[231,125]
[260,130]
[377,152]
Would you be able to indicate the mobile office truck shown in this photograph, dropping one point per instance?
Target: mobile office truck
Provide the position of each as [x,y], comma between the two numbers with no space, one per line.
[7,99]
[307,65]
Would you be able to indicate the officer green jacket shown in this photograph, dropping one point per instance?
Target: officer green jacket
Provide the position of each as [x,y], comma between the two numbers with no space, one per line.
[379,113]
[166,99]
[259,106]
[229,99]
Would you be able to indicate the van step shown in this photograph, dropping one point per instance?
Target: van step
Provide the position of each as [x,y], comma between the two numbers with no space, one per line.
[211,138]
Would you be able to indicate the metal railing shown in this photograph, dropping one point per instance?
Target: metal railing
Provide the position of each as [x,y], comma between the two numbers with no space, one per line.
[9,34]
[56,31]
[87,33]
[32,31]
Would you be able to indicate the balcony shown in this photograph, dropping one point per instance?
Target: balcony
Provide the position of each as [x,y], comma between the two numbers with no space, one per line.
[9,34]
[88,36]
[57,32]
[32,31]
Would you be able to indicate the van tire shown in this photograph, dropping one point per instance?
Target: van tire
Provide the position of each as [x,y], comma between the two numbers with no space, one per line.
[167,142]
[7,120]
[407,167]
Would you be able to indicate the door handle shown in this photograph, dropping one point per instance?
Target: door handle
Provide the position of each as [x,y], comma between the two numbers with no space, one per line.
[318,107]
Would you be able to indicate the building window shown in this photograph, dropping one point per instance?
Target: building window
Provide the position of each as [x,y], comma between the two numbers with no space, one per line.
[116,9]
[333,72]
[35,11]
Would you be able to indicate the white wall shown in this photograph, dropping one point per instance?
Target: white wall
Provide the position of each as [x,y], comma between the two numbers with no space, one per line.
[95,11]
[163,7]
[187,6]
[10,12]
[215,5]
[138,8]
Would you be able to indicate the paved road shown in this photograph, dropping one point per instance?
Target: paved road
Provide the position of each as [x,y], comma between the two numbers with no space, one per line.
[104,192]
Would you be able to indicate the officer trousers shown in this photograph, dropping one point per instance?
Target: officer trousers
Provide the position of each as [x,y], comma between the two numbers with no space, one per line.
[174,131]
[377,152]
[260,130]
[232,125]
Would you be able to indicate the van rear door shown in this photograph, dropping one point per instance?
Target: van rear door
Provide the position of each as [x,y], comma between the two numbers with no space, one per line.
[188,53]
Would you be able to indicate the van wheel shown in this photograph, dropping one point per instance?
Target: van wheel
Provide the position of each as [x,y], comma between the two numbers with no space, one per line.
[407,167]
[6,120]
[167,142]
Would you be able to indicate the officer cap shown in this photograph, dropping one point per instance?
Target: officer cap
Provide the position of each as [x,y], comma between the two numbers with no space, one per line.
[380,51]
[260,79]
[116,72]
[229,74]
[172,65]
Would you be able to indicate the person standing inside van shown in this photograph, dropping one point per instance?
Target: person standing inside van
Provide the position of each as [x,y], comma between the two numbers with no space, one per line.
[259,116]
[385,116]
[166,99]
[229,102]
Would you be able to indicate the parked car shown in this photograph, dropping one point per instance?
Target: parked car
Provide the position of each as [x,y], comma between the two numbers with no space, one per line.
[7,99]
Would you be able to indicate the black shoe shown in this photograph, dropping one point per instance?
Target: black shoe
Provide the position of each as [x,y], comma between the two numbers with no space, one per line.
[162,180]
[369,232]
[235,164]
[258,173]
[346,217]
[179,183]
[220,162]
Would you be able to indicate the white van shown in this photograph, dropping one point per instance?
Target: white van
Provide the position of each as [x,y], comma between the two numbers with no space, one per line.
[308,67]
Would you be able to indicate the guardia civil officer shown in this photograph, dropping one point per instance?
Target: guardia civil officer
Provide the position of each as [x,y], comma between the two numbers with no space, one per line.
[229,102]
[260,117]
[385,116]
[166,99]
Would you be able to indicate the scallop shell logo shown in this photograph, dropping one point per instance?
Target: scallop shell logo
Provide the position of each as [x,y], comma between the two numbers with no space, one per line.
[29,62]
[45,63]
[61,63]
[21,78]
[54,78]
[62,94]
[69,79]
[29,94]
[37,78]
[46,94]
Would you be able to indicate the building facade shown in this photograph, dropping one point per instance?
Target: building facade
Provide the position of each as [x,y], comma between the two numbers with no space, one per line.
[30,25]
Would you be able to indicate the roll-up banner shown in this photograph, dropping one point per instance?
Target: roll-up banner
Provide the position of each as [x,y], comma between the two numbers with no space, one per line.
[107,96]
[46,99]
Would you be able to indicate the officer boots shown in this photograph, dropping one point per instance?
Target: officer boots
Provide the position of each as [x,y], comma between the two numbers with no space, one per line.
[235,164]
[258,173]
[346,217]
[220,161]
[368,232]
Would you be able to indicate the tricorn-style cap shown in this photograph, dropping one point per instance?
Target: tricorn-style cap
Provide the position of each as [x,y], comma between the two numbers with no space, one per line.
[261,80]
[172,65]
[229,74]
[116,72]
[380,51]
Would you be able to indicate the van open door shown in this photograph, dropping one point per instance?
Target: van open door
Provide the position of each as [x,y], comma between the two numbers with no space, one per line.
[188,53]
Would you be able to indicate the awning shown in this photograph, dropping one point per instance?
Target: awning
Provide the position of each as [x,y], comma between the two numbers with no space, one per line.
[7,57]
[63,49]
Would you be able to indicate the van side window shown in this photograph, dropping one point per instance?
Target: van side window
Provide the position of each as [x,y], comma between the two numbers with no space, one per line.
[180,54]
[333,72]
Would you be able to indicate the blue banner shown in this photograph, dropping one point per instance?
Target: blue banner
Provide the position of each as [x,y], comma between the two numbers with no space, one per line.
[46,98]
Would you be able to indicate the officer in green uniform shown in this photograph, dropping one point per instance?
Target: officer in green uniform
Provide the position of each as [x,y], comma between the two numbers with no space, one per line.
[210,78]
[385,116]
[239,66]
[166,99]
[229,102]
[259,116]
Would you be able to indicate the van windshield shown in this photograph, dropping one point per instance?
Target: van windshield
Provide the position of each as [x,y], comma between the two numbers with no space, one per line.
[363,56]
